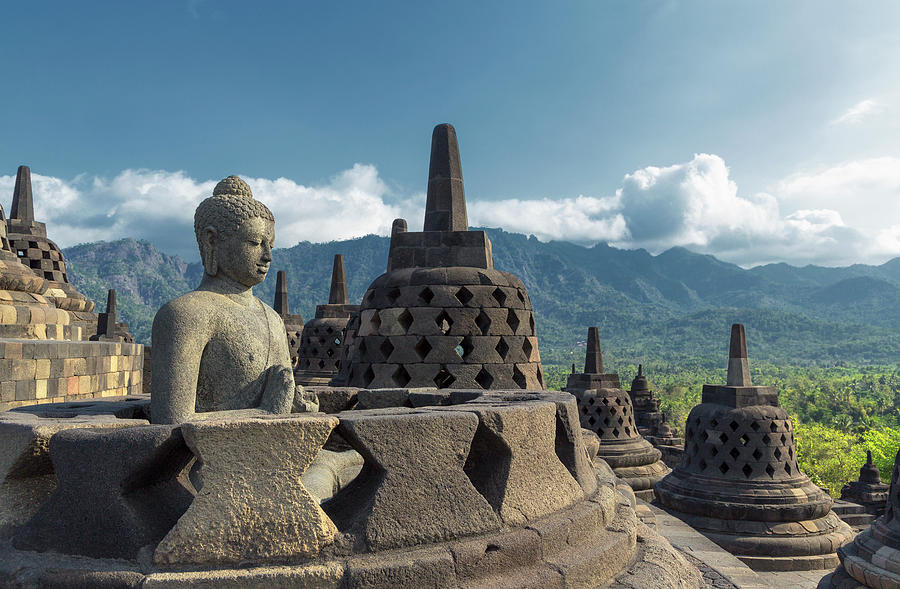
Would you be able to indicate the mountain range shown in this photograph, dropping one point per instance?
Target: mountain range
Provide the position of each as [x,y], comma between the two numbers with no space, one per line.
[671,308]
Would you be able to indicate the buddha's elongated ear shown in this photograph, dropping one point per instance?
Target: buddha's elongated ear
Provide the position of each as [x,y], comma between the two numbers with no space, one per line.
[210,247]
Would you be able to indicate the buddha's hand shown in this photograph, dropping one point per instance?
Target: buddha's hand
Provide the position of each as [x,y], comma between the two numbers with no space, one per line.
[305,401]
[278,396]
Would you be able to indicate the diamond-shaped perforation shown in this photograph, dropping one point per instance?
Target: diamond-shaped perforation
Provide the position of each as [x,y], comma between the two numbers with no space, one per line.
[512,319]
[405,319]
[502,348]
[393,295]
[773,427]
[443,379]
[735,453]
[745,439]
[747,470]
[467,346]
[754,425]
[484,379]
[401,377]
[368,376]
[375,321]
[527,348]
[464,295]
[426,295]
[499,296]
[757,454]
[770,471]
[519,378]
[422,348]
[387,348]
[724,468]
[444,322]
[483,322]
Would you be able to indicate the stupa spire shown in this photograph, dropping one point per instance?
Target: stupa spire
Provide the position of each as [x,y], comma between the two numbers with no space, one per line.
[738,363]
[593,358]
[282,307]
[338,294]
[445,205]
[23,201]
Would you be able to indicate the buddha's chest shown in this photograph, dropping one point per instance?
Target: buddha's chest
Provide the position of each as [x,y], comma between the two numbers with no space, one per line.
[240,349]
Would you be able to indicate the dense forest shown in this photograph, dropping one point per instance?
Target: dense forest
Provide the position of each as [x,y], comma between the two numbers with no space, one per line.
[828,338]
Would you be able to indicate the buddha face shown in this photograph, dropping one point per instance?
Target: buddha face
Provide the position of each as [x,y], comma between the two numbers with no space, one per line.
[244,255]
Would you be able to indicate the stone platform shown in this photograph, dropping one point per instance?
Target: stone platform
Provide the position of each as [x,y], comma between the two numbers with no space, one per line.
[490,490]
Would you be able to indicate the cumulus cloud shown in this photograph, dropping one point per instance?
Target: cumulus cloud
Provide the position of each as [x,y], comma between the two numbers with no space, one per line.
[159,206]
[858,112]
[834,215]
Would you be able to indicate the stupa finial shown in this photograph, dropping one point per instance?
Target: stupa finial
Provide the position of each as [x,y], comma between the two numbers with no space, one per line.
[738,363]
[23,201]
[593,358]
[282,307]
[445,205]
[338,294]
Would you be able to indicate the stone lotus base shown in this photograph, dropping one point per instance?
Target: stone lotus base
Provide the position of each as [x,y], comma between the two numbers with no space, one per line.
[497,491]
[867,563]
[770,526]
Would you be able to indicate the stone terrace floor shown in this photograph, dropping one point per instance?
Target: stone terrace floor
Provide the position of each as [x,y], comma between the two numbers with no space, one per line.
[722,570]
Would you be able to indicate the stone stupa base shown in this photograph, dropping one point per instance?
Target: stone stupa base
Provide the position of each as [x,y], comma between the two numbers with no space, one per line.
[866,562]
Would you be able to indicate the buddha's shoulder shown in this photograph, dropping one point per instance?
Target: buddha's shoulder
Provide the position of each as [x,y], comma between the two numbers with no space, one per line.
[195,304]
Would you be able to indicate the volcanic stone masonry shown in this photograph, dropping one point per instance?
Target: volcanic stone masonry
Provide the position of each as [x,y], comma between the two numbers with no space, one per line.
[322,340]
[442,316]
[865,499]
[293,324]
[28,239]
[739,483]
[873,558]
[606,410]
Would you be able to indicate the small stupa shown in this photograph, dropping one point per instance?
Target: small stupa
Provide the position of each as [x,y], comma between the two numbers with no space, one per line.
[873,558]
[739,482]
[322,339]
[868,491]
[442,316]
[606,410]
[28,240]
[108,327]
[293,323]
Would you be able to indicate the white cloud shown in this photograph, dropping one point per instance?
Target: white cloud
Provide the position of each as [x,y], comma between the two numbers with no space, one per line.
[159,206]
[837,215]
[582,219]
[858,112]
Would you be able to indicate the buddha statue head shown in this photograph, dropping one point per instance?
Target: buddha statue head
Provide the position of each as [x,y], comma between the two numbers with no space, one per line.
[235,233]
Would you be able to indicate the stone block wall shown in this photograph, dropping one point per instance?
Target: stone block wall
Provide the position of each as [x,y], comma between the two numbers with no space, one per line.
[47,371]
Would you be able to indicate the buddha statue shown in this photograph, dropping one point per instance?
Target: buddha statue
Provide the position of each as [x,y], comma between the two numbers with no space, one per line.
[220,348]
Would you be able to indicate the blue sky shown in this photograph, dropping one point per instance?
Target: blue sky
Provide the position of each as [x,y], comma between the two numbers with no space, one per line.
[755,131]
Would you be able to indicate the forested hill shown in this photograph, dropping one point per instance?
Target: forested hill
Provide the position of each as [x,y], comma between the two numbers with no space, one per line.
[673,307]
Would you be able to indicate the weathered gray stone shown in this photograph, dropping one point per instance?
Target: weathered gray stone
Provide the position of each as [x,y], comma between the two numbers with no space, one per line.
[313,576]
[118,491]
[26,472]
[219,347]
[252,505]
[412,488]
[330,472]
[513,460]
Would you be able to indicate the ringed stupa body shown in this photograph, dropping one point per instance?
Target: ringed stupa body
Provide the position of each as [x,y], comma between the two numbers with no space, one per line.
[739,482]
[606,409]
[322,338]
[28,240]
[442,316]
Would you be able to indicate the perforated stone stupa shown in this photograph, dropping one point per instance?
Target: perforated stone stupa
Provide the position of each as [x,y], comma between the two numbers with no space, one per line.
[28,240]
[873,558]
[293,323]
[868,491]
[739,483]
[442,316]
[322,339]
[605,409]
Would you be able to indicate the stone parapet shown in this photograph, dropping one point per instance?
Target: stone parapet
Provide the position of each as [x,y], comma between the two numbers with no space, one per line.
[50,371]
[493,490]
